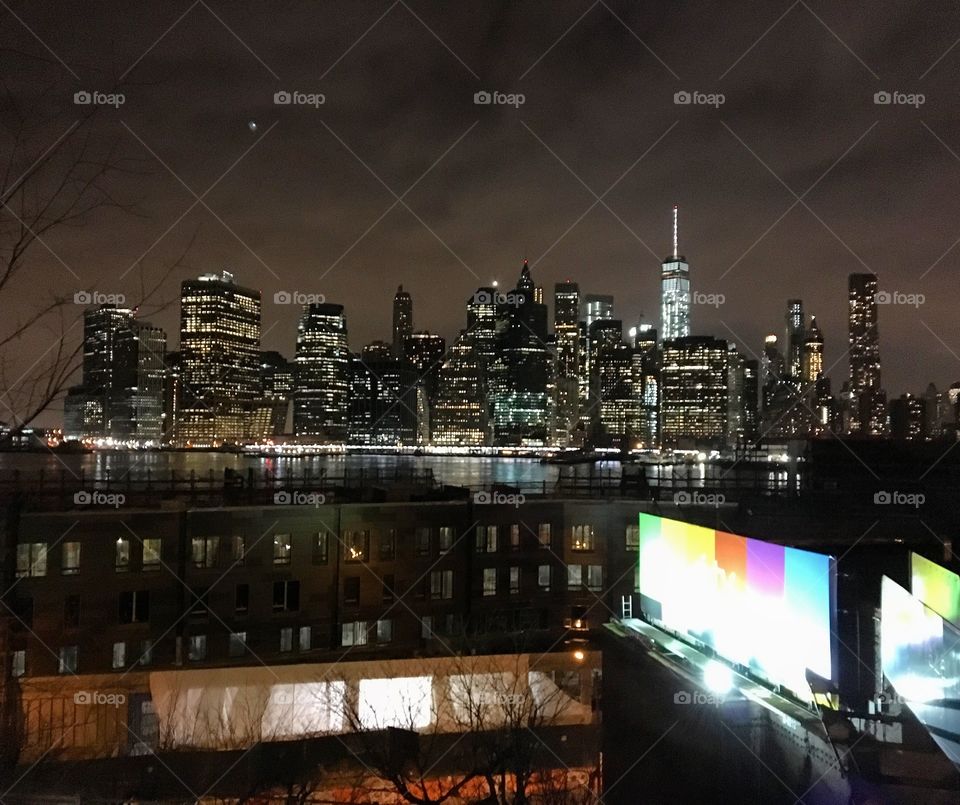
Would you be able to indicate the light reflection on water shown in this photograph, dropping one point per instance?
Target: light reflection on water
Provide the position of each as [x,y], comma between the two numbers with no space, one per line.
[470,471]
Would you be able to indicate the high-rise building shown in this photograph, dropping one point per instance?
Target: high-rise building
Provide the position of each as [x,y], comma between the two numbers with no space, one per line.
[795,334]
[907,418]
[675,291]
[219,359]
[459,412]
[402,320]
[868,416]
[322,376]
[595,307]
[566,333]
[812,355]
[483,318]
[693,391]
[425,350]
[276,374]
[382,403]
[148,393]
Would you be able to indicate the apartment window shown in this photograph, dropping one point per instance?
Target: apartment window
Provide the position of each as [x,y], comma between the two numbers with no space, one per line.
[305,638]
[321,548]
[31,559]
[286,639]
[543,577]
[67,660]
[151,553]
[146,652]
[574,576]
[489,581]
[543,535]
[354,633]
[583,538]
[238,548]
[388,540]
[388,587]
[632,538]
[421,541]
[204,551]
[71,612]
[356,545]
[197,648]
[514,580]
[18,666]
[446,538]
[384,630]
[426,627]
[286,596]
[351,591]
[119,656]
[122,560]
[70,565]
[238,644]
[486,539]
[282,548]
[241,599]
[595,577]
[515,537]
[134,606]
[441,584]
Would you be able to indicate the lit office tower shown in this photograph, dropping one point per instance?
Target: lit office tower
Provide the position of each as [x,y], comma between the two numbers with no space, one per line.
[402,320]
[425,350]
[693,391]
[566,329]
[219,359]
[322,374]
[812,361]
[381,408]
[459,415]
[276,374]
[483,312]
[147,396]
[675,291]
[793,343]
[742,398]
[595,307]
[867,400]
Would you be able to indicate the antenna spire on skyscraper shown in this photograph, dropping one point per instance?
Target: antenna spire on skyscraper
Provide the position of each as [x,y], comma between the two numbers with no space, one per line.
[676,247]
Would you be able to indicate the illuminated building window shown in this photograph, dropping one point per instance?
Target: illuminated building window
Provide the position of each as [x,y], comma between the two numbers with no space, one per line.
[515,537]
[486,539]
[122,555]
[632,538]
[384,630]
[354,633]
[514,580]
[286,639]
[421,541]
[204,551]
[356,545]
[119,655]
[146,652]
[595,577]
[489,581]
[67,661]
[305,638]
[18,666]
[70,565]
[151,553]
[583,538]
[446,538]
[441,584]
[197,648]
[574,576]
[543,534]
[238,548]
[282,549]
[543,578]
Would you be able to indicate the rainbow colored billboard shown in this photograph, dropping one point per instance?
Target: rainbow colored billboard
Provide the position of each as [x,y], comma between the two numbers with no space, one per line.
[766,607]
[937,587]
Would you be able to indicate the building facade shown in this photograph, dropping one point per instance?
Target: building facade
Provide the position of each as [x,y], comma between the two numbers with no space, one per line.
[322,374]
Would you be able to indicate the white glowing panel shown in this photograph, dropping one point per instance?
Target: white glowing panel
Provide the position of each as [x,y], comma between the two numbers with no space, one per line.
[404,702]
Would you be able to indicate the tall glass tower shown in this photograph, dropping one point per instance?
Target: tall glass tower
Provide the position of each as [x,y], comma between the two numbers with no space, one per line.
[675,291]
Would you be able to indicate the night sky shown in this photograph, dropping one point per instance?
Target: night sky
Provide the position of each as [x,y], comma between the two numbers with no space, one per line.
[307,192]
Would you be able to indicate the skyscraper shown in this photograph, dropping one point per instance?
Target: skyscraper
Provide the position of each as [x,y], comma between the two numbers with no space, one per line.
[382,404]
[867,400]
[675,291]
[693,391]
[812,360]
[148,394]
[402,320]
[322,376]
[276,374]
[596,306]
[424,351]
[793,342]
[566,329]
[219,359]
[459,414]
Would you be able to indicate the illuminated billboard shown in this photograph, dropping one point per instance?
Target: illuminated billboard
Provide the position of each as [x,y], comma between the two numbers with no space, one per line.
[766,607]
[920,656]
[936,587]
